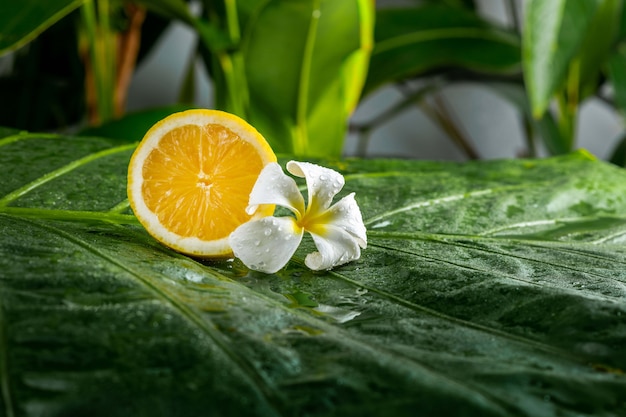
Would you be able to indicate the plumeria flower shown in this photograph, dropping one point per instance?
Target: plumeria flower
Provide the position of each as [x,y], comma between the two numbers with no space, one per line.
[268,243]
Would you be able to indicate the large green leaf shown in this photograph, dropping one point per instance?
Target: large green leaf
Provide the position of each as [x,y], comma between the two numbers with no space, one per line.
[21,21]
[305,65]
[553,34]
[488,289]
[412,41]
[598,43]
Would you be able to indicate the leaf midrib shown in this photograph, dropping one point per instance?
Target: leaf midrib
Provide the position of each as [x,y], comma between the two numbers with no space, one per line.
[441,34]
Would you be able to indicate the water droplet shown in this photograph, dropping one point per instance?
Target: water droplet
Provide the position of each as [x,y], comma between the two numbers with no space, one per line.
[257,243]
[381,224]
[323,177]
[267,232]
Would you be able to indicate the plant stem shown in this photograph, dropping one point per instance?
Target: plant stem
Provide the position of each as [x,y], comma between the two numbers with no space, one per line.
[441,114]
[364,139]
[129,43]
[567,102]
[364,131]
[230,76]
[397,108]
[513,15]
[301,137]
[107,56]
[232,21]
[100,62]
[529,135]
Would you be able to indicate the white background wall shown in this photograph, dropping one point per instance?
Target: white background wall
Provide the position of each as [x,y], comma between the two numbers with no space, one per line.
[490,122]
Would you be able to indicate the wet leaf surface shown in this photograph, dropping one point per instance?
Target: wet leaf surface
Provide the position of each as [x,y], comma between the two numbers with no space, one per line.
[488,289]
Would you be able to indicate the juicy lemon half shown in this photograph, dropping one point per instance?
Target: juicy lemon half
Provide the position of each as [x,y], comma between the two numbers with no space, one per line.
[190,178]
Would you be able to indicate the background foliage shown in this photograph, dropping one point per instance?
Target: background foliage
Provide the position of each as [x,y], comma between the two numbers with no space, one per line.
[558,54]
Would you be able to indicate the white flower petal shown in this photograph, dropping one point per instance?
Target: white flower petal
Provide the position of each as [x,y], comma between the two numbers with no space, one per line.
[322,183]
[275,187]
[267,244]
[335,246]
[345,214]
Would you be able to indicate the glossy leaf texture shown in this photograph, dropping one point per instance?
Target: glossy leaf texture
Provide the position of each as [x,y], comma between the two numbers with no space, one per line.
[412,41]
[554,32]
[305,65]
[487,289]
[21,21]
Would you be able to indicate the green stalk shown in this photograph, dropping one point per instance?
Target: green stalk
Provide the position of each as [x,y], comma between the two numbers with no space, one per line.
[108,58]
[101,46]
[568,101]
[229,63]
[232,20]
[301,136]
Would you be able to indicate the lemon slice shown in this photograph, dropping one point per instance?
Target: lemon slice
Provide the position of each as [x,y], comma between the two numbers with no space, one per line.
[189,180]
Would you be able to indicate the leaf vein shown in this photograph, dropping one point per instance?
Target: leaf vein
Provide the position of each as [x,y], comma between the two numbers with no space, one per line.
[431,202]
[464,323]
[19,192]
[375,348]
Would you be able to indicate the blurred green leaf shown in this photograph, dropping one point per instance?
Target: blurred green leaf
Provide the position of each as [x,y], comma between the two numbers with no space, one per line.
[545,127]
[133,126]
[45,86]
[412,41]
[617,74]
[449,312]
[305,63]
[598,43]
[622,26]
[171,9]
[23,20]
[553,34]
